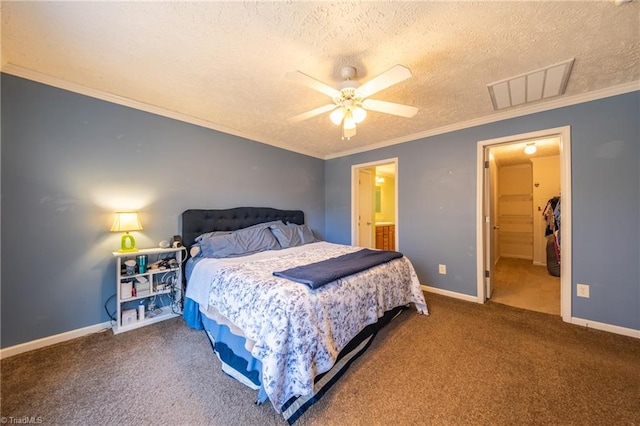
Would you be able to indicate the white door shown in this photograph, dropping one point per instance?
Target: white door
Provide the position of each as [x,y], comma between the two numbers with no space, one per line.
[490,225]
[365,208]
[494,216]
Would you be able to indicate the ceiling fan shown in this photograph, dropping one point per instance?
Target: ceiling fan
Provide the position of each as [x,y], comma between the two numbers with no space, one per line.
[350,99]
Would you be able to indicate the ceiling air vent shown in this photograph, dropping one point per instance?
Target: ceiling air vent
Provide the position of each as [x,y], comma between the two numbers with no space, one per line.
[532,86]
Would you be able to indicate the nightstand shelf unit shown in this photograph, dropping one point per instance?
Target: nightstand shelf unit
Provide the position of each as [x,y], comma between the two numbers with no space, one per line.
[162,283]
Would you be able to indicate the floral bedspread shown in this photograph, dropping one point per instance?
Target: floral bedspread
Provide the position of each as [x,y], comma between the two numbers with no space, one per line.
[299,332]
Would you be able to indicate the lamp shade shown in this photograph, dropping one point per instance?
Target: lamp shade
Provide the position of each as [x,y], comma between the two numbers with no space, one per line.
[125,222]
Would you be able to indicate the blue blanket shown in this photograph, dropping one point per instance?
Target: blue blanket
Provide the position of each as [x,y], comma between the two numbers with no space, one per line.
[317,274]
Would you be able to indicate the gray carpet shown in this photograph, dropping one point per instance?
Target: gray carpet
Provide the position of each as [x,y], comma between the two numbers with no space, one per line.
[464,364]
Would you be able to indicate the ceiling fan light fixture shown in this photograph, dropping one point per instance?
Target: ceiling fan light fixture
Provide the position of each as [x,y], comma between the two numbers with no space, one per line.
[347,133]
[337,115]
[359,114]
[350,105]
[349,122]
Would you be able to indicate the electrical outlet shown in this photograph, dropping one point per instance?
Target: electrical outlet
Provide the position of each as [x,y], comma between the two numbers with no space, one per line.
[442,269]
[582,290]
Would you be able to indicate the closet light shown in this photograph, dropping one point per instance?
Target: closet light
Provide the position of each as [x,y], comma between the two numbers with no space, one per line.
[530,148]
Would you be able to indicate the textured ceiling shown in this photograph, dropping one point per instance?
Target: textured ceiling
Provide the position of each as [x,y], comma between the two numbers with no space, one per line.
[223,64]
[512,154]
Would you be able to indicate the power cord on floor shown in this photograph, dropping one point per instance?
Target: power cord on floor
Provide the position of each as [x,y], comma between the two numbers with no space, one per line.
[111,315]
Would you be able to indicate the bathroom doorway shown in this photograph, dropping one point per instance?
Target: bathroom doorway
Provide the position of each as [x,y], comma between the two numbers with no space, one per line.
[375,225]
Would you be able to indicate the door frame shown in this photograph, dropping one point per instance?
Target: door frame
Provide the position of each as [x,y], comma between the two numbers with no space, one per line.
[354,197]
[489,225]
[366,202]
[565,232]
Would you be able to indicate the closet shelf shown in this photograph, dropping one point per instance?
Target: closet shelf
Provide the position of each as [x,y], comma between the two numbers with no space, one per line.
[516,219]
[516,197]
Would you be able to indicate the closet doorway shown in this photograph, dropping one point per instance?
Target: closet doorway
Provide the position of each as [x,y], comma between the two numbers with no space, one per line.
[519,230]
[374,204]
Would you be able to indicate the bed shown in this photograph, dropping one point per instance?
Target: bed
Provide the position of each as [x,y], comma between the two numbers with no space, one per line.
[273,332]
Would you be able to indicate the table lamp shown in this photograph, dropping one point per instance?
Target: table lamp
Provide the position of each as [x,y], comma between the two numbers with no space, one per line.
[125,222]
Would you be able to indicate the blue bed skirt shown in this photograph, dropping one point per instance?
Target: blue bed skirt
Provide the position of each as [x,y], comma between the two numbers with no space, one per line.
[238,362]
[191,314]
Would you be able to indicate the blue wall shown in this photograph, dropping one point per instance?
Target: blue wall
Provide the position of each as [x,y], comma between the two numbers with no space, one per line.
[70,161]
[437,203]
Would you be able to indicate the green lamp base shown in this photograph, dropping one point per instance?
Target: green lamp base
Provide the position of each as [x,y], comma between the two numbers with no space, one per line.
[127,243]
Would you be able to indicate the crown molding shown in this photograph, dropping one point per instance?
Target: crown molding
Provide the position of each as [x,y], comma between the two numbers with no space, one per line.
[131,103]
[519,112]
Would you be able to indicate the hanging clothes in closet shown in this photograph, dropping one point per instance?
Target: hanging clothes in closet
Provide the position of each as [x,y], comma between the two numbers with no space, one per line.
[556,218]
[551,214]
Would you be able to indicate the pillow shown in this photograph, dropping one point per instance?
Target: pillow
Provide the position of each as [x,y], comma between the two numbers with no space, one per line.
[306,234]
[255,238]
[292,235]
[219,246]
[239,243]
[210,234]
[263,225]
[213,233]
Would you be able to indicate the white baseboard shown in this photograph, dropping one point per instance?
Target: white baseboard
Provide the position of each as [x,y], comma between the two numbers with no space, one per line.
[449,293]
[63,337]
[51,340]
[576,321]
[606,327]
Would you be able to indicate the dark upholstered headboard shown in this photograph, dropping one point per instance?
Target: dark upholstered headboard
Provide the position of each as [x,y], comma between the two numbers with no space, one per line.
[197,221]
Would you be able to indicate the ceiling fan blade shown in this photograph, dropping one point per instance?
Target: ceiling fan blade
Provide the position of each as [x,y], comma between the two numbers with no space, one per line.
[312,113]
[390,108]
[388,78]
[304,79]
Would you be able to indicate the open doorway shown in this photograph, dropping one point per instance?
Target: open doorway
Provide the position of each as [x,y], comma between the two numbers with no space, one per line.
[517,223]
[526,185]
[374,205]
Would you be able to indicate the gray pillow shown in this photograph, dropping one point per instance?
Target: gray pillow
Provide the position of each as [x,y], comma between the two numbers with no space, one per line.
[263,225]
[218,246]
[210,234]
[258,225]
[239,243]
[254,239]
[306,234]
[292,235]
